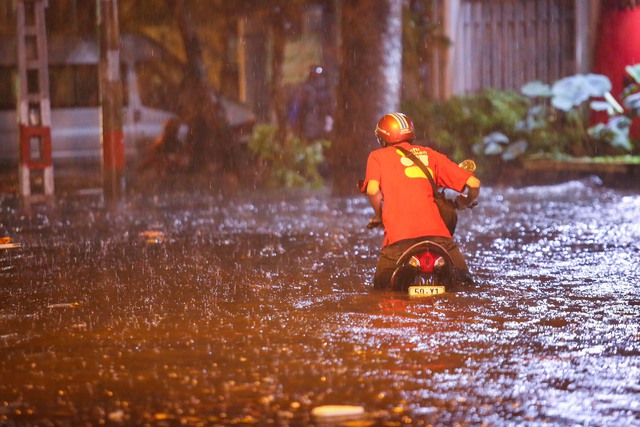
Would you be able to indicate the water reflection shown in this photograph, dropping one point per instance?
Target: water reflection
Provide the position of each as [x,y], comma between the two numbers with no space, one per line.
[256,309]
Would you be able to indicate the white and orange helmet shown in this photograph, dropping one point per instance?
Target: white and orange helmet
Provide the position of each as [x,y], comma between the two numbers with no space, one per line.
[394,128]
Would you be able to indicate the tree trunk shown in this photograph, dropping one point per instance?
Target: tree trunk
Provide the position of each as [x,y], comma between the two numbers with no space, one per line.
[329,39]
[278,100]
[254,57]
[209,131]
[369,85]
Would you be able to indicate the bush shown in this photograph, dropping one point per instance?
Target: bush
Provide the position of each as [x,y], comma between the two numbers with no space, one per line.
[461,126]
[286,162]
[498,128]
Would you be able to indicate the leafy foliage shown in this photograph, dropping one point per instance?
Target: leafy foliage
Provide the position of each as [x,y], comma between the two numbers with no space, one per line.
[498,127]
[631,93]
[288,162]
[486,125]
[569,97]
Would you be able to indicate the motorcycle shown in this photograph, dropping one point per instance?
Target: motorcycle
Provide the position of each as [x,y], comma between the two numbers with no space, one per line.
[425,269]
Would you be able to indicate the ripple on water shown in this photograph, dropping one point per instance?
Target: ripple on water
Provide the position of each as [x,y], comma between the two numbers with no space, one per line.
[259,308]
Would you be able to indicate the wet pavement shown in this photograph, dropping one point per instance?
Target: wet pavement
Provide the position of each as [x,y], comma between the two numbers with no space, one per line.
[201,309]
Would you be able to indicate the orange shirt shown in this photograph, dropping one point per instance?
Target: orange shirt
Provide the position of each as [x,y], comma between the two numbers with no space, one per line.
[409,210]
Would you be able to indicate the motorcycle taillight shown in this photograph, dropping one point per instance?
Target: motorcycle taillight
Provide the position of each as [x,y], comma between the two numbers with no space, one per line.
[428,261]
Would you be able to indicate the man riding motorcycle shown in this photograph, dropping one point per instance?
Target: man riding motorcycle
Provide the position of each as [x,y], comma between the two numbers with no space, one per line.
[410,214]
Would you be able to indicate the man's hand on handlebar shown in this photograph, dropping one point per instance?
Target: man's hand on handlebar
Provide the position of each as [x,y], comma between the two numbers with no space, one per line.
[462,202]
[469,200]
[374,223]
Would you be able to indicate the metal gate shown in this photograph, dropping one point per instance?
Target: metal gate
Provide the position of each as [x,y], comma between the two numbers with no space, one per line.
[504,44]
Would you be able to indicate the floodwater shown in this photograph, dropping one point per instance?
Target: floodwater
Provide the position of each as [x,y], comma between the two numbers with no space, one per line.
[255,309]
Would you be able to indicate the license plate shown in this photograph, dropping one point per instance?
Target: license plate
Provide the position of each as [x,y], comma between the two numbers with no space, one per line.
[425,291]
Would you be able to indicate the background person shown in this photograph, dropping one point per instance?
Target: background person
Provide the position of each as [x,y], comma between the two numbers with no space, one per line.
[310,110]
[168,153]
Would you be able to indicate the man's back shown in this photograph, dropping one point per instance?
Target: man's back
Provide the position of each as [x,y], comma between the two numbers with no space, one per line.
[409,210]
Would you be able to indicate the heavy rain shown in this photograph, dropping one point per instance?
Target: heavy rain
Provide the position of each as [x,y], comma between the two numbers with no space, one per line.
[182,241]
[252,310]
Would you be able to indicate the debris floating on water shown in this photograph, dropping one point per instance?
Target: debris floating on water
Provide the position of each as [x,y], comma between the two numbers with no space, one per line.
[152,236]
[64,305]
[337,414]
[6,243]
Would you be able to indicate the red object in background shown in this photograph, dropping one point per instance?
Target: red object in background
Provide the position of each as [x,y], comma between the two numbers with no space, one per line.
[618,45]
[113,150]
[39,156]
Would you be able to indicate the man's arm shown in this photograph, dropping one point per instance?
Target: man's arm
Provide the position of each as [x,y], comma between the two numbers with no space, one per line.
[473,190]
[375,198]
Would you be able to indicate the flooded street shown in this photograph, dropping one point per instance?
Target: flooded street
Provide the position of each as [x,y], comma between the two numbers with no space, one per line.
[195,309]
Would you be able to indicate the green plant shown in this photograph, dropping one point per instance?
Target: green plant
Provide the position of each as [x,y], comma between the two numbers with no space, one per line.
[631,92]
[498,127]
[620,129]
[482,125]
[566,99]
[286,162]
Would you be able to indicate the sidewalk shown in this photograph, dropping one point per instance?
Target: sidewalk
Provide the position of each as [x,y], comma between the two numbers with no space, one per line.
[618,174]
[67,178]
